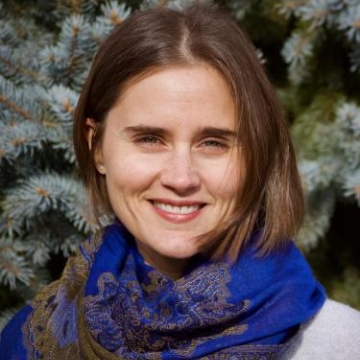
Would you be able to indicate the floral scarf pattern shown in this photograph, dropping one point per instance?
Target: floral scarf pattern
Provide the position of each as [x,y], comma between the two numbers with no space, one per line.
[109,304]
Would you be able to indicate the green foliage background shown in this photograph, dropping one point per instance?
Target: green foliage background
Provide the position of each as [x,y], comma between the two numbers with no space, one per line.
[311,51]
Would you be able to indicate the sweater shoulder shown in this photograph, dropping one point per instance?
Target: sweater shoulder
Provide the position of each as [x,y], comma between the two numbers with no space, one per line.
[333,333]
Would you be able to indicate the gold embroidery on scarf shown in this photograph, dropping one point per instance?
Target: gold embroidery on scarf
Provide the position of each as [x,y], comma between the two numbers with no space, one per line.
[246,352]
[214,277]
[41,330]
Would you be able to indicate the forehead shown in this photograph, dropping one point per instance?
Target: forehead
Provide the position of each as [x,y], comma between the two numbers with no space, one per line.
[173,75]
[183,96]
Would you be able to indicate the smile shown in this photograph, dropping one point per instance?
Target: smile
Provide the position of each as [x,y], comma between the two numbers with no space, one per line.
[179,210]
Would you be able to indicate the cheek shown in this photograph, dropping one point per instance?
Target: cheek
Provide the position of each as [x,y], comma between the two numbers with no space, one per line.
[228,182]
[125,175]
[232,184]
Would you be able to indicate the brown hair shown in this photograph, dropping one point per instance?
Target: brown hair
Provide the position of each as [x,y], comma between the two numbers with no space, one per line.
[271,199]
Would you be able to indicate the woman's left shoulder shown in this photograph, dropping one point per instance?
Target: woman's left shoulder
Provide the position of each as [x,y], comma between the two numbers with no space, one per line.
[333,333]
[333,309]
[335,320]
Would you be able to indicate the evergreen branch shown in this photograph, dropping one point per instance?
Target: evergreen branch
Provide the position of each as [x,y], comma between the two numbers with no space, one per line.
[18,102]
[52,233]
[297,48]
[38,254]
[19,139]
[115,13]
[352,186]
[40,195]
[348,123]
[16,69]
[67,246]
[76,25]
[320,12]
[67,62]
[320,173]
[288,8]
[61,102]
[348,117]
[320,207]
[99,29]
[9,228]
[7,33]
[13,106]
[13,266]
[79,211]
[349,21]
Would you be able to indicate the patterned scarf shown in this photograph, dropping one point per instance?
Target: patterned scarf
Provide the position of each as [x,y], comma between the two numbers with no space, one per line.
[109,304]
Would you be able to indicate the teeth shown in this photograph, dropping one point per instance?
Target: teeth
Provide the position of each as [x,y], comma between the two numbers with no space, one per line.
[182,210]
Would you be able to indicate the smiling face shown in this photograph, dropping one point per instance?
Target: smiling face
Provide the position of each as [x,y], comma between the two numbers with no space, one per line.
[171,162]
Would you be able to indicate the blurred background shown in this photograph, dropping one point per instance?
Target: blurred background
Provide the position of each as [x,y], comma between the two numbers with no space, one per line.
[311,52]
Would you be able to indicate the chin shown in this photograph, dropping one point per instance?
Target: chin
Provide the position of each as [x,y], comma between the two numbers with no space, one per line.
[181,254]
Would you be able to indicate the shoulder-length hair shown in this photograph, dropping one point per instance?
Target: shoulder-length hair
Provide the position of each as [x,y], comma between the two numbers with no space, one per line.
[271,200]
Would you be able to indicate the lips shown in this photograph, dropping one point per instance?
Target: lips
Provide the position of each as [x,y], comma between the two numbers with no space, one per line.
[177,211]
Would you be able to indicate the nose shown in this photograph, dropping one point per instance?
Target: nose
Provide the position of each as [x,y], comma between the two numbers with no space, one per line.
[180,173]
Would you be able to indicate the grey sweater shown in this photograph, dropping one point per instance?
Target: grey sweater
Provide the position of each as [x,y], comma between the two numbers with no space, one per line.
[333,334]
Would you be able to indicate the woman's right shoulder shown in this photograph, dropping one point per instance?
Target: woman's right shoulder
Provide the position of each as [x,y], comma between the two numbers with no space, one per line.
[333,333]
[12,341]
[11,338]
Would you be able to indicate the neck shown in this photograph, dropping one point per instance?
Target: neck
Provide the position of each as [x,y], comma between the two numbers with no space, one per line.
[171,267]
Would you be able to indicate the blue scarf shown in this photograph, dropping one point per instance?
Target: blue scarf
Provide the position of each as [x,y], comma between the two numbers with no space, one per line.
[109,304]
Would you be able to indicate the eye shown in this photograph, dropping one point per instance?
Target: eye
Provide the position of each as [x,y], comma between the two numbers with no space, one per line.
[214,146]
[149,142]
[214,143]
[148,139]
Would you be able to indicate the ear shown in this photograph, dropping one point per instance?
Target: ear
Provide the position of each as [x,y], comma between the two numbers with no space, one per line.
[90,131]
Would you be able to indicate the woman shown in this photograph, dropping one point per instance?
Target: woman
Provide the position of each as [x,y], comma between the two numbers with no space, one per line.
[180,138]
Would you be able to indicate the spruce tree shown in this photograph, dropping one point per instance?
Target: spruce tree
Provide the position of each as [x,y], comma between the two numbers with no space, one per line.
[311,51]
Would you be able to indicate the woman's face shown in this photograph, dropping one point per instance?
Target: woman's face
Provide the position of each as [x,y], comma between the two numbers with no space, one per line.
[171,162]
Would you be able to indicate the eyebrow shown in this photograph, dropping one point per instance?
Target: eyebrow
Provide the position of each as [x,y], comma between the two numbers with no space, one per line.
[218,132]
[144,129]
[205,131]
